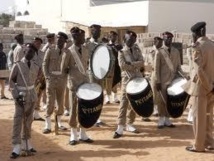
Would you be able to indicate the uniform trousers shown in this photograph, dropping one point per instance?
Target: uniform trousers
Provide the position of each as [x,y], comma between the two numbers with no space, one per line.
[161,102]
[18,122]
[203,121]
[55,91]
[2,83]
[124,107]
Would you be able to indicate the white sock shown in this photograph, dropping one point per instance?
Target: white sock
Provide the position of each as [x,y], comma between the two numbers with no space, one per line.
[107,98]
[120,129]
[83,134]
[17,148]
[74,134]
[36,114]
[48,123]
[59,121]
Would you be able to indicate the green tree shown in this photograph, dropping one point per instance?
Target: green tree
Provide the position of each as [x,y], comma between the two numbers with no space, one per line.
[5,19]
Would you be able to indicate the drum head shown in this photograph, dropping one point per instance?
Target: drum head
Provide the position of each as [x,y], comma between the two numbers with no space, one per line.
[100,61]
[136,85]
[176,87]
[89,91]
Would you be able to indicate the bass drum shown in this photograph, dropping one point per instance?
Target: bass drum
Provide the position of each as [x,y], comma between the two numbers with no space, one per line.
[177,98]
[140,95]
[101,62]
[90,102]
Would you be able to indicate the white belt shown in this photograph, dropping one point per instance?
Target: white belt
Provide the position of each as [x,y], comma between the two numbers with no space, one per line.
[56,73]
[25,88]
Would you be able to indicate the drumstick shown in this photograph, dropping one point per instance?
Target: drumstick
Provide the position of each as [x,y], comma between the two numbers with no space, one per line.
[181,74]
[162,97]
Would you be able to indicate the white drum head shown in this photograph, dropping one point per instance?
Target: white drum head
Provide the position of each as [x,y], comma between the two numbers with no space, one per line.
[100,62]
[89,91]
[176,87]
[136,85]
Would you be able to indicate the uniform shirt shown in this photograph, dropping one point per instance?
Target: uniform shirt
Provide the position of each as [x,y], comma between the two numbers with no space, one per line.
[10,59]
[135,58]
[163,74]
[16,79]
[18,53]
[3,60]
[55,62]
[38,58]
[75,77]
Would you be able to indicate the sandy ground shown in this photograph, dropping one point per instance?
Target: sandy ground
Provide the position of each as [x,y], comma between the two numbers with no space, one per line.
[151,144]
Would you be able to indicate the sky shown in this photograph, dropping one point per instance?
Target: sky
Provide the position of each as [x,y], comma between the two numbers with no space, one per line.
[5,4]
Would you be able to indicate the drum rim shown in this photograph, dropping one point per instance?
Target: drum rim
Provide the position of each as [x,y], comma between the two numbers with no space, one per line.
[137,92]
[91,58]
[78,96]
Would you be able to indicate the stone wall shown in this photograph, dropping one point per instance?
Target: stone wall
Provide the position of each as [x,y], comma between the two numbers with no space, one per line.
[29,29]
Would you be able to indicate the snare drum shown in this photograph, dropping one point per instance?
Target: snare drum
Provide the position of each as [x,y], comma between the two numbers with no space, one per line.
[101,62]
[90,101]
[140,95]
[177,98]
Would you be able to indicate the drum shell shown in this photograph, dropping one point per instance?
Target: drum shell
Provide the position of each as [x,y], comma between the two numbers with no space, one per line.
[142,103]
[89,111]
[177,104]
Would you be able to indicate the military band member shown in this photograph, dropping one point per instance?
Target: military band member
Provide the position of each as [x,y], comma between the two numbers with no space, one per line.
[18,53]
[167,66]
[77,76]
[201,89]
[40,81]
[91,45]
[158,42]
[112,80]
[50,42]
[131,61]
[3,66]
[21,84]
[55,68]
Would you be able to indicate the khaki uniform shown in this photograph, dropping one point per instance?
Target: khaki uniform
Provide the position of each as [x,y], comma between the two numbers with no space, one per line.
[133,70]
[18,53]
[30,75]
[54,68]
[153,85]
[164,75]
[114,72]
[38,59]
[76,78]
[200,88]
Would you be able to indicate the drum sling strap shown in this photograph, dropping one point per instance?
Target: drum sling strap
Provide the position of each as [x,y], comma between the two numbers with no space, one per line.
[78,61]
[168,60]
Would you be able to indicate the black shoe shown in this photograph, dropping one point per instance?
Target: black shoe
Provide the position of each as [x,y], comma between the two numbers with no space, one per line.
[117,101]
[116,135]
[14,155]
[4,97]
[191,149]
[32,150]
[170,126]
[39,119]
[160,126]
[99,124]
[46,131]
[87,140]
[62,128]
[146,119]
[107,103]
[209,148]
[73,142]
